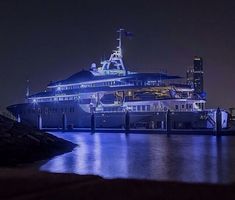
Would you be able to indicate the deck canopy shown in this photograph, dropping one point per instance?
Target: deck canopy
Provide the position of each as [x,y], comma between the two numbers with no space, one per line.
[87,76]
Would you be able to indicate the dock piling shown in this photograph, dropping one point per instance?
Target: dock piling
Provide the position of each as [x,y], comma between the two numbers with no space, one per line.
[168,121]
[64,122]
[162,125]
[127,120]
[18,118]
[93,122]
[39,121]
[218,122]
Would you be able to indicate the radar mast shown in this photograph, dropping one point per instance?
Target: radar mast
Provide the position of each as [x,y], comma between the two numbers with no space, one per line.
[114,65]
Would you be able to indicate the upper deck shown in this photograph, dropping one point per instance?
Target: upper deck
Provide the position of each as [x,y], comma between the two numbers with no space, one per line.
[112,76]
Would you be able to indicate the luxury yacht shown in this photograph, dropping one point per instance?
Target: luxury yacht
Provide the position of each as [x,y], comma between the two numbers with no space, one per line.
[111,96]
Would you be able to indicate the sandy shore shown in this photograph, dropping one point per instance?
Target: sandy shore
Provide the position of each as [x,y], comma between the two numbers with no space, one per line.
[30,184]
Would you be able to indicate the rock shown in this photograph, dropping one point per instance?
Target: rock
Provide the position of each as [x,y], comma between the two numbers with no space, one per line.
[22,144]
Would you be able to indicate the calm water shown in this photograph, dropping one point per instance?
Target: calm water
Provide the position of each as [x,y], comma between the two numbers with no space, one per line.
[158,157]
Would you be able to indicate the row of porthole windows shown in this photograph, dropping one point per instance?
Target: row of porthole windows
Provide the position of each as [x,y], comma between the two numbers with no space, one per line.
[200,105]
[100,84]
[55,99]
[141,108]
[48,110]
[112,109]
[183,106]
[108,83]
[63,110]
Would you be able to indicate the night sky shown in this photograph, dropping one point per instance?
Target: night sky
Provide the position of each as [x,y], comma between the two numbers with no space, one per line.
[45,40]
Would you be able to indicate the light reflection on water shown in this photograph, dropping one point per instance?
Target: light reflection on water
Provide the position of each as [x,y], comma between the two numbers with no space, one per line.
[159,157]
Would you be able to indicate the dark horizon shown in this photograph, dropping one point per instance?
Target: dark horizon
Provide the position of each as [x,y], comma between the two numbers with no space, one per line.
[44,41]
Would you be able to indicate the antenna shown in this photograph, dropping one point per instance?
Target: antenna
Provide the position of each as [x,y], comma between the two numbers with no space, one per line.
[120,42]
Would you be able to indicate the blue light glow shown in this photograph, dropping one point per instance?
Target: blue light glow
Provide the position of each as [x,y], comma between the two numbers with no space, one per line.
[58,88]
[147,156]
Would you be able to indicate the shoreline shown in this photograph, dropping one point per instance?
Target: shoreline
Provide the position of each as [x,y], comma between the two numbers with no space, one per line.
[225,132]
[31,184]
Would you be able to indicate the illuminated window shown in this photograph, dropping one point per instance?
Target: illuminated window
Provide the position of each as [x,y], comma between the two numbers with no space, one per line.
[148,107]
[143,107]
[134,108]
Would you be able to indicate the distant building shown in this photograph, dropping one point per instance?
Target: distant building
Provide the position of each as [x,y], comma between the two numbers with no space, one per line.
[190,77]
[232,113]
[198,75]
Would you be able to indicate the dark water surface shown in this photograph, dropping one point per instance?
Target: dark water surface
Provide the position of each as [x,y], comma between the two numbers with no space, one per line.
[148,156]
